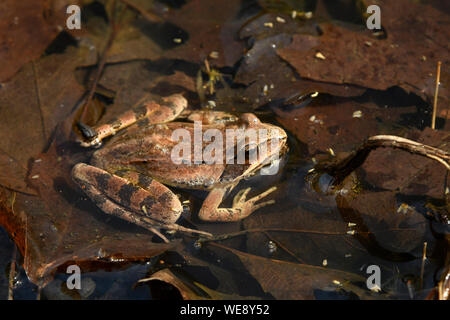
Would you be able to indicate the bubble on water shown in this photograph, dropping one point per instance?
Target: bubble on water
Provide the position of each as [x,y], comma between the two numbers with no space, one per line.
[272,246]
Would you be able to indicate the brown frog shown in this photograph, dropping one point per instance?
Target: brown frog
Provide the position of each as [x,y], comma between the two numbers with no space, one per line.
[129,176]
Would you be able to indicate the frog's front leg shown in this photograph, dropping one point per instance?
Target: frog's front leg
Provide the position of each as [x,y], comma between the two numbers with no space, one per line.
[240,209]
[132,197]
[145,110]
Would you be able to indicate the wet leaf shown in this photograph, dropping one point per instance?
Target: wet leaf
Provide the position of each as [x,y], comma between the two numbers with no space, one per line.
[210,26]
[190,290]
[28,27]
[36,99]
[320,127]
[360,59]
[286,280]
[409,174]
[392,229]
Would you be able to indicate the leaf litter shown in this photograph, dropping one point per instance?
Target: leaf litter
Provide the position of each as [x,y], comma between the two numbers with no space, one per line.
[52,223]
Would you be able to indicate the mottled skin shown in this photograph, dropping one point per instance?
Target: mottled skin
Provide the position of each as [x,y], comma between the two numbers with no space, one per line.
[128,176]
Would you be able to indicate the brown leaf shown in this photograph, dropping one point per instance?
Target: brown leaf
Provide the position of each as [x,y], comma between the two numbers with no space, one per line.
[409,174]
[330,123]
[378,212]
[360,59]
[211,26]
[28,27]
[292,281]
[190,290]
[36,99]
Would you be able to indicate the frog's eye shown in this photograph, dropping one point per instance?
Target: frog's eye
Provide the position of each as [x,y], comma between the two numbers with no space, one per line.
[250,118]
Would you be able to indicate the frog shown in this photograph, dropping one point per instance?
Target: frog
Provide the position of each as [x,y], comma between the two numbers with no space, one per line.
[132,174]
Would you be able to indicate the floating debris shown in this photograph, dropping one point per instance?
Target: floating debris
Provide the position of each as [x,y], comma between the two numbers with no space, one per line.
[268,24]
[177,40]
[348,255]
[197,245]
[351,224]
[403,208]
[368,43]
[214,55]
[315,94]
[336,282]
[293,14]
[35,176]
[357,114]
[272,246]
[351,232]
[320,56]
[331,152]
[375,288]
[211,104]
[280,20]
[325,262]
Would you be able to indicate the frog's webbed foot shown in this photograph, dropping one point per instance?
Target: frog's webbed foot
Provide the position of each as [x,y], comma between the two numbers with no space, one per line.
[240,209]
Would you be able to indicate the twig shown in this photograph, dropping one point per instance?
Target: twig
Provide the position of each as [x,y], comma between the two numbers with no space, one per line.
[438,76]
[101,62]
[226,236]
[39,100]
[424,257]
[279,244]
[244,232]
[341,168]
[12,273]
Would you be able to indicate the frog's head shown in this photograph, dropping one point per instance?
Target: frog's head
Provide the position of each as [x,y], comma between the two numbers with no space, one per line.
[264,149]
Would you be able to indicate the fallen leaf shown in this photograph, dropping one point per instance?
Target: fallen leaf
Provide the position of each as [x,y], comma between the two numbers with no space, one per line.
[386,62]
[190,290]
[293,281]
[28,27]
[210,26]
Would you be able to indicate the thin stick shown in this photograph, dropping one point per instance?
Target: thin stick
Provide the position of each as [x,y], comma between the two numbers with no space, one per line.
[12,273]
[340,168]
[39,100]
[101,62]
[279,244]
[424,257]
[438,76]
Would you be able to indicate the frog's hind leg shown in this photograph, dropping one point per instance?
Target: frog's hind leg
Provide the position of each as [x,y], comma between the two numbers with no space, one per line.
[132,197]
[146,109]
[240,209]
